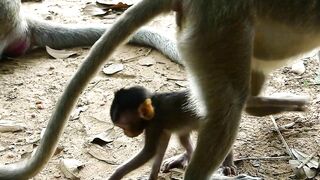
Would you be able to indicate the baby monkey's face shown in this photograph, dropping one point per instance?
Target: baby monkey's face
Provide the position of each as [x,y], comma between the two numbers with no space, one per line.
[131,123]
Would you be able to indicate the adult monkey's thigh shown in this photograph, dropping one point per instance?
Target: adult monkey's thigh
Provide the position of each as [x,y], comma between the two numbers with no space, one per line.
[215,41]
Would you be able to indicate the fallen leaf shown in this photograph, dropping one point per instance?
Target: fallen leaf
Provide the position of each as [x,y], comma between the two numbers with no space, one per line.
[94,10]
[58,150]
[59,54]
[182,83]
[313,163]
[298,67]
[108,2]
[310,173]
[112,69]
[76,113]
[147,61]
[100,154]
[299,173]
[114,4]
[70,168]
[10,126]
[309,170]
[103,138]
[119,7]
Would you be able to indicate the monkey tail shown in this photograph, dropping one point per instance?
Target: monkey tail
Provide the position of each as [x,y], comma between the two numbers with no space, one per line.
[165,45]
[129,22]
[59,36]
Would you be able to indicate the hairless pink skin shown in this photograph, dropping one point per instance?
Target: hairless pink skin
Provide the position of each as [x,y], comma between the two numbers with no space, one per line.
[17,47]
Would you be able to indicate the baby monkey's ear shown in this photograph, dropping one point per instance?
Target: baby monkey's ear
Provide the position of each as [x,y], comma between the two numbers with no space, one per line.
[146,110]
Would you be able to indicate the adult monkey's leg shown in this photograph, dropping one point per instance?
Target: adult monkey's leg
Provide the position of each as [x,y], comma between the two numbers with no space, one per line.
[217,49]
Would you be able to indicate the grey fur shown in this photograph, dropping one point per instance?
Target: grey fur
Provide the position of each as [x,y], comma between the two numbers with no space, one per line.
[65,36]
[60,36]
[151,38]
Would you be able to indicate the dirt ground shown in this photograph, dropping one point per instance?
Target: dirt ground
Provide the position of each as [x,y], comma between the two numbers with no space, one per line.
[38,78]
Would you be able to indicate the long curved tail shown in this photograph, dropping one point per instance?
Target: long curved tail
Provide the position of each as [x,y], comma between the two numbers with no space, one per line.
[151,38]
[129,22]
[60,36]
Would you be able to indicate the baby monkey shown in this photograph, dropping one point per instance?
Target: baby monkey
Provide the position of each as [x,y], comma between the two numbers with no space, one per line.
[136,110]
[158,114]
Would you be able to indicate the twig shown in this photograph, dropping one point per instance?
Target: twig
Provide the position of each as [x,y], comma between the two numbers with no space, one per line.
[285,127]
[94,85]
[281,137]
[281,173]
[148,52]
[175,79]
[131,59]
[303,163]
[264,158]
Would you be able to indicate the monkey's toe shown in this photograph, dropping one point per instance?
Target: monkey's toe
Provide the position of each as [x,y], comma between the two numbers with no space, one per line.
[229,170]
[180,161]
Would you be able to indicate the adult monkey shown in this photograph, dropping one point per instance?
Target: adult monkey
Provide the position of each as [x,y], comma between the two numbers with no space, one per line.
[19,33]
[216,40]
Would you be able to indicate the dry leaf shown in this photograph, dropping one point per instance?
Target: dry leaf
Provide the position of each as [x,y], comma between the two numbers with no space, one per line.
[119,7]
[114,5]
[309,170]
[107,2]
[58,150]
[70,168]
[103,138]
[182,83]
[313,163]
[310,173]
[76,113]
[94,10]
[147,61]
[10,126]
[59,54]
[299,173]
[112,69]
[99,153]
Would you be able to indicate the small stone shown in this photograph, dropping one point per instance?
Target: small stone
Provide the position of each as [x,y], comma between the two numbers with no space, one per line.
[298,68]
